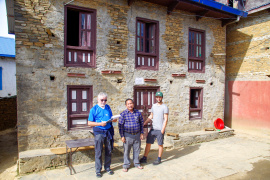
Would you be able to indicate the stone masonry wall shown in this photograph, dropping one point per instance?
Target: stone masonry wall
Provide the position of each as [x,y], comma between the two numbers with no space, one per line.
[248,49]
[42,102]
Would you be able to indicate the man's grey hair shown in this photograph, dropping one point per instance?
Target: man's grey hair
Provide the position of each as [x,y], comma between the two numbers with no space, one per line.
[102,94]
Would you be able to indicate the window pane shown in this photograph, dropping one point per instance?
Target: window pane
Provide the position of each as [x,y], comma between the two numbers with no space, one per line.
[190,37]
[88,39]
[73,96]
[197,38]
[83,57]
[200,51]
[83,21]
[75,56]
[142,44]
[138,44]
[152,31]
[138,29]
[79,121]
[149,62]
[153,62]
[83,38]
[89,58]
[137,98]
[84,106]
[69,56]
[194,113]
[88,21]
[200,39]
[153,97]
[141,98]
[142,61]
[142,29]
[139,59]
[149,95]
[197,51]
[74,107]
[196,103]
[84,94]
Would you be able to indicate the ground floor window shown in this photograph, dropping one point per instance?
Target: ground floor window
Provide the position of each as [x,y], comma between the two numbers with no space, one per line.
[195,105]
[80,100]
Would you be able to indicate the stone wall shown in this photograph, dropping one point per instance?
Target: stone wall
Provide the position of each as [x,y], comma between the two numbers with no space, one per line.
[42,102]
[8,113]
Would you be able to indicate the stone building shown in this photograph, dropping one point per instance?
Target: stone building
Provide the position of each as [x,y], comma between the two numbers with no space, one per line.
[248,70]
[69,51]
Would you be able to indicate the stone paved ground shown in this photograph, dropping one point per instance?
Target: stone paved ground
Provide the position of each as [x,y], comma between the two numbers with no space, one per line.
[238,157]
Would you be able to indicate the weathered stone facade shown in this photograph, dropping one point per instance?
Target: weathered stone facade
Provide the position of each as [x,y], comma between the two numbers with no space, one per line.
[42,102]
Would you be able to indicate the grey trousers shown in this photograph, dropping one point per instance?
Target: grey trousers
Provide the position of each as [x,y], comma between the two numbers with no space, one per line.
[135,142]
[99,141]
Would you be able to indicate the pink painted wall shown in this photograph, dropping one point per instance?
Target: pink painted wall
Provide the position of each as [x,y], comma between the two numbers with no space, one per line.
[249,104]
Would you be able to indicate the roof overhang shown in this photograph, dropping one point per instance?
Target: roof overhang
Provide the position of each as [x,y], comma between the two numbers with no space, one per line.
[10,16]
[201,8]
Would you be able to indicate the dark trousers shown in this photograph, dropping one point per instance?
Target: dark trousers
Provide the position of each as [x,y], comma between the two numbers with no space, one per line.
[135,142]
[99,141]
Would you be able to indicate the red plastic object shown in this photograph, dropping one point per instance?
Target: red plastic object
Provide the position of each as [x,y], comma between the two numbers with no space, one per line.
[219,124]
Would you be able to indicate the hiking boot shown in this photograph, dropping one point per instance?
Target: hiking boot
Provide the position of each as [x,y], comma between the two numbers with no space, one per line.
[110,172]
[143,160]
[98,175]
[157,161]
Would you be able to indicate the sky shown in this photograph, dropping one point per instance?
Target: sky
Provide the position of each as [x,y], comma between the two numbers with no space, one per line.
[3,20]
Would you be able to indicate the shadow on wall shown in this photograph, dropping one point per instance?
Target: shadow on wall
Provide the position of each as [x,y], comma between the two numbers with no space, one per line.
[238,44]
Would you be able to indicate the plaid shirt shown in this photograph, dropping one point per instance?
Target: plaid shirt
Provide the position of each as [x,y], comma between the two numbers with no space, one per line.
[130,122]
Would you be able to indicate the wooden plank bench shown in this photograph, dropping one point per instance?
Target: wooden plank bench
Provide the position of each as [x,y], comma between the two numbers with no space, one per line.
[76,143]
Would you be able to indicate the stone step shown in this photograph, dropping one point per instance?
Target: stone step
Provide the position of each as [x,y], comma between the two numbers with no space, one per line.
[41,159]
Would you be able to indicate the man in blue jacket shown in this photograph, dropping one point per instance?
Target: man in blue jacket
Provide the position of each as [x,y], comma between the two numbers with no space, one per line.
[103,133]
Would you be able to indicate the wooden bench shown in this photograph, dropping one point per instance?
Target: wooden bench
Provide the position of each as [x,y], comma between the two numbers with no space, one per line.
[77,143]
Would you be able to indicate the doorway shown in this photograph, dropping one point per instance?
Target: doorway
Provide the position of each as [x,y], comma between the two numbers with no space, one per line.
[144,98]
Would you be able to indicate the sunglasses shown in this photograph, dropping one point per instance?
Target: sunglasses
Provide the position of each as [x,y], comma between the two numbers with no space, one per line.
[103,100]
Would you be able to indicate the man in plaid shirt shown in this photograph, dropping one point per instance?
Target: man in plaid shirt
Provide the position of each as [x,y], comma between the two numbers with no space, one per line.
[131,131]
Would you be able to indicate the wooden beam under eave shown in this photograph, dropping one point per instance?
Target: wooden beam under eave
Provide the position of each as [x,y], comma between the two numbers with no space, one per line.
[200,14]
[172,6]
[130,2]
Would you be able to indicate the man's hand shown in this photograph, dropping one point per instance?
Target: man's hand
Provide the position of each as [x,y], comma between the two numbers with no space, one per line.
[141,136]
[114,120]
[123,139]
[103,124]
[162,131]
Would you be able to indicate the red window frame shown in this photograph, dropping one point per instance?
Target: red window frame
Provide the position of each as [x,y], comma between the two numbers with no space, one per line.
[195,108]
[196,51]
[77,111]
[80,37]
[147,44]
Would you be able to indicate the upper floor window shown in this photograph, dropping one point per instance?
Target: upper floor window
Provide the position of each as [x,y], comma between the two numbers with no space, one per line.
[196,50]
[80,100]
[147,44]
[80,36]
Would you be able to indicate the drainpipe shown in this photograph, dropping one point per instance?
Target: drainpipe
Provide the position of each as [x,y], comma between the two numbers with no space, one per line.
[238,19]
[224,103]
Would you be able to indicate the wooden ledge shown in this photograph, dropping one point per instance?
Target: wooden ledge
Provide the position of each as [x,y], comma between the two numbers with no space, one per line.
[200,81]
[80,75]
[111,72]
[178,75]
[150,80]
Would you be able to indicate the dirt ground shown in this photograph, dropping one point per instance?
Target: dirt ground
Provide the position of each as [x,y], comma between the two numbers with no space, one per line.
[8,154]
